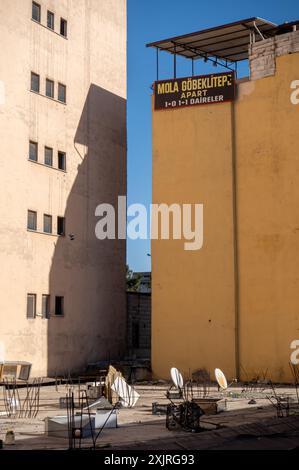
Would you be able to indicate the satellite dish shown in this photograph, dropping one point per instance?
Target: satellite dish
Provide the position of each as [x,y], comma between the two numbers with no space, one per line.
[128,395]
[221,379]
[177,378]
[14,404]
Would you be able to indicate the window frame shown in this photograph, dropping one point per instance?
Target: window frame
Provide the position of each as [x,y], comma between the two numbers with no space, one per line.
[31,76]
[35,4]
[51,15]
[61,297]
[52,83]
[35,213]
[59,232]
[44,225]
[31,142]
[61,85]
[46,314]
[60,152]
[64,27]
[34,306]
[52,153]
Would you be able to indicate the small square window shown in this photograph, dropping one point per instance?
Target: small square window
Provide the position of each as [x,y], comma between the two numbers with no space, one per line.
[61,161]
[48,156]
[34,82]
[61,93]
[49,88]
[59,306]
[50,20]
[31,306]
[61,226]
[45,306]
[47,223]
[33,151]
[63,27]
[36,11]
[32,220]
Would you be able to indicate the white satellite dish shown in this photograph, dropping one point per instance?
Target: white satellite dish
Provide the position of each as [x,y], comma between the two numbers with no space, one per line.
[128,395]
[176,377]
[221,379]
[14,404]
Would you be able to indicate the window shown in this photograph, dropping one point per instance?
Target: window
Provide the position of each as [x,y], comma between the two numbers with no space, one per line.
[45,306]
[47,223]
[63,27]
[49,88]
[34,82]
[36,11]
[59,306]
[50,20]
[31,220]
[61,92]
[31,305]
[33,150]
[48,156]
[61,226]
[61,161]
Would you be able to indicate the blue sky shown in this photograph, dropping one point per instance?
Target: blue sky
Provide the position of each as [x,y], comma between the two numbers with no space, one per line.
[151,20]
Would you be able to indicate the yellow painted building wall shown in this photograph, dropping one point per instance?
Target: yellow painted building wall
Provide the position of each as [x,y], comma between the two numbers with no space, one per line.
[267,131]
[235,303]
[193,291]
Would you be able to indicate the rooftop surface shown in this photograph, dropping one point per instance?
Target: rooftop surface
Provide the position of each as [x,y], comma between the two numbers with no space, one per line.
[240,426]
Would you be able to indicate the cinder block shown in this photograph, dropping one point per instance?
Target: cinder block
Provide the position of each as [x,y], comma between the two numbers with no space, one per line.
[58,426]
[105,418]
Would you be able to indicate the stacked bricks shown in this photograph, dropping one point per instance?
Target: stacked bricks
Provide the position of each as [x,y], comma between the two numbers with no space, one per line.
[262,54]
[139,316]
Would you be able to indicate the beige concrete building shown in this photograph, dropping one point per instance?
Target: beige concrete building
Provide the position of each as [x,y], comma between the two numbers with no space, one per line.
[234,304]
[62,152]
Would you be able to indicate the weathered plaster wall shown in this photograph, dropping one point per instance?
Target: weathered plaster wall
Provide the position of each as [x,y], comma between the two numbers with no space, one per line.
[91,129]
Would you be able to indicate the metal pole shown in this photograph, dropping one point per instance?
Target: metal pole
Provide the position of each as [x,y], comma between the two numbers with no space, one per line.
[174,62]
[235,244]
[157,64]
[192,67]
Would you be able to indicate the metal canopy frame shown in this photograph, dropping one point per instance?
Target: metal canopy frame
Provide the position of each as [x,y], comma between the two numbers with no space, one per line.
[224,45]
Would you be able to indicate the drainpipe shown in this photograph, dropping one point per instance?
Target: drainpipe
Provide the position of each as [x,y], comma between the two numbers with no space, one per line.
[235,243]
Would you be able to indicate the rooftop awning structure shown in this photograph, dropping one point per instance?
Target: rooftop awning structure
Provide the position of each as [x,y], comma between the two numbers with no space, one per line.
[287,27]
[227,43]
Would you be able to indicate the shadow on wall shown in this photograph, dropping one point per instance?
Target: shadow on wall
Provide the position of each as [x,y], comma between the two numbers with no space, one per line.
[89,275]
